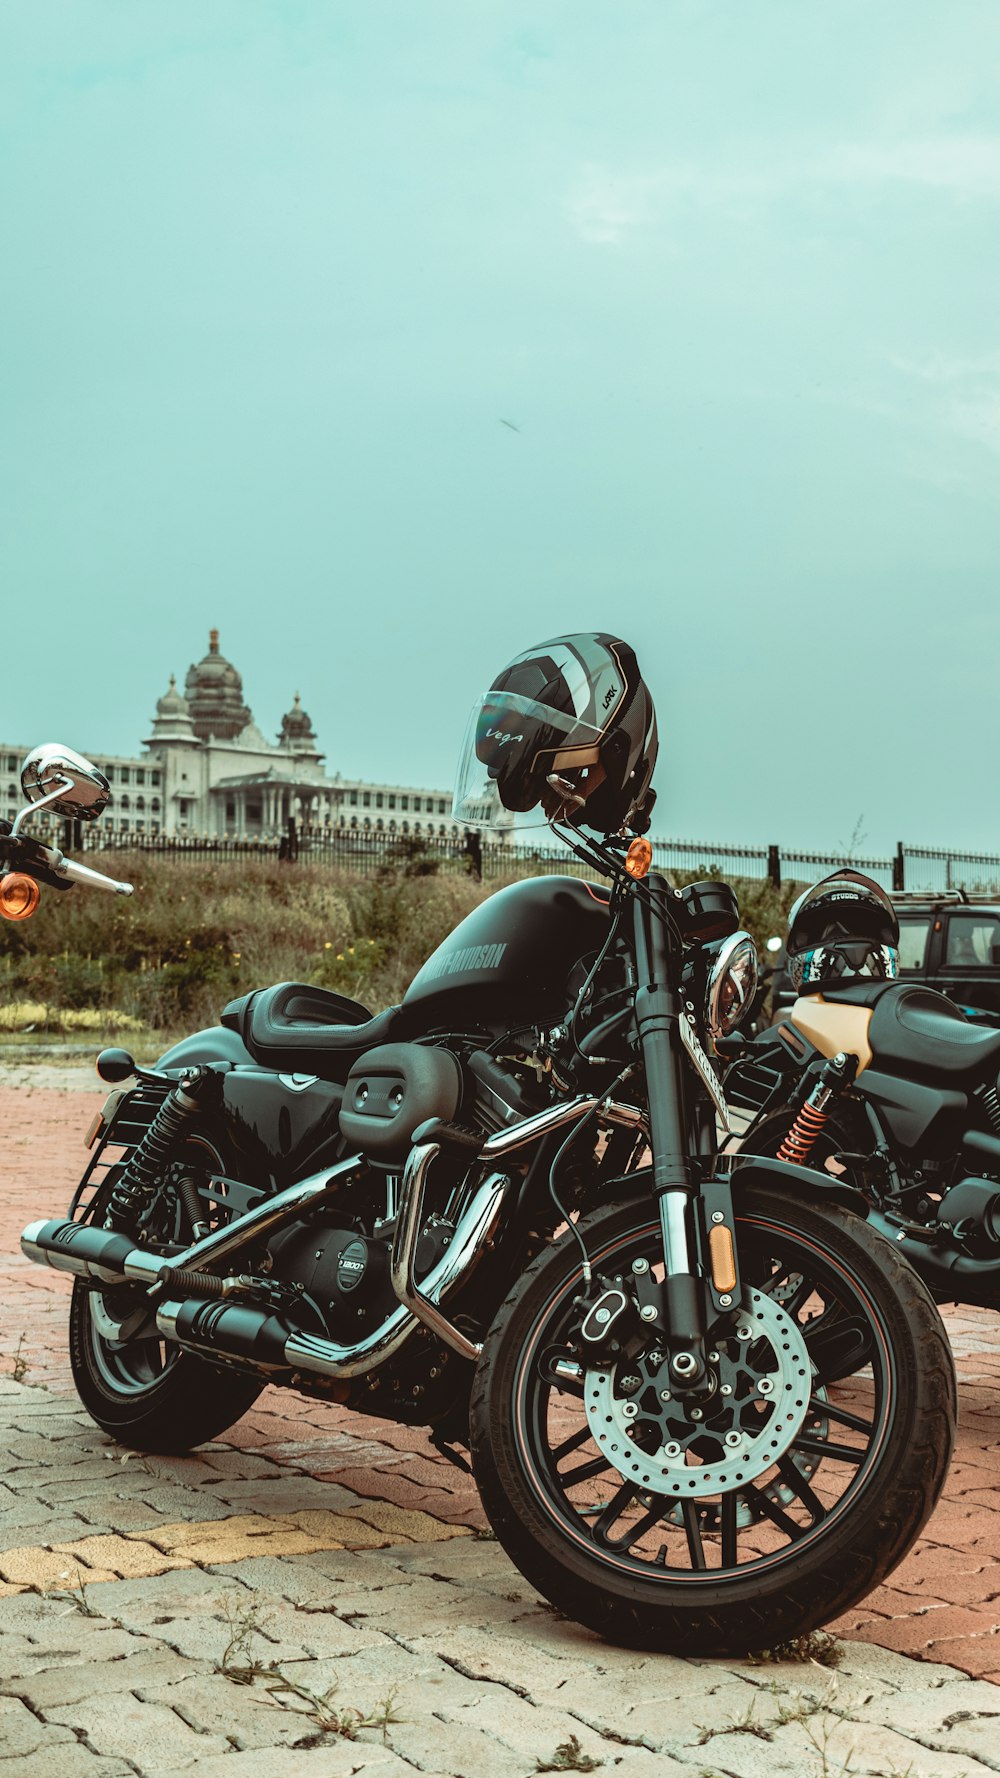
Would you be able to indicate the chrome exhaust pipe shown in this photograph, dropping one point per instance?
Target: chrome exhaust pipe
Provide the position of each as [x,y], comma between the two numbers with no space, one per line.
[77,1248]
[235,1331]
[89,1252]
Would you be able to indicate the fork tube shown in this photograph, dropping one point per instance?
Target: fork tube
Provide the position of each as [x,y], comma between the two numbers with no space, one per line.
[656,1011]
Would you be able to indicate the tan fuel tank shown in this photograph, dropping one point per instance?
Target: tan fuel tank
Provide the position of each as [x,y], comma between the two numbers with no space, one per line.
[834,1028]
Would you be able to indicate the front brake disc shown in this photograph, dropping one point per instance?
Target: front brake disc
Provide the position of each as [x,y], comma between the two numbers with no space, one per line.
[759,1409]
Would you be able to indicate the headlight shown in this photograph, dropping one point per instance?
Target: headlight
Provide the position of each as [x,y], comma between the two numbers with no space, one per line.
[731,984]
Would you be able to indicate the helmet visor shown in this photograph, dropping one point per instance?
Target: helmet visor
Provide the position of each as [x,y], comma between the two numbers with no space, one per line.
[513,746]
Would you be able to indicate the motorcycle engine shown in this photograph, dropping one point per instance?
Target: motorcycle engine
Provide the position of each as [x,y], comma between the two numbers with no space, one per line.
[343,1272]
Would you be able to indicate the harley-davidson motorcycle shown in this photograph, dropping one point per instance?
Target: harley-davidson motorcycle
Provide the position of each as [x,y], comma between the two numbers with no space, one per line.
[884,1084]
[708,1407]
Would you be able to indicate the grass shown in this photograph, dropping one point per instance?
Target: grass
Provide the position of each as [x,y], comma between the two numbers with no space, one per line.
[247,1620]
[197,933]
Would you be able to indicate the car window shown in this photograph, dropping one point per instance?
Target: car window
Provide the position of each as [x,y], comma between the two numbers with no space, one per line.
[973,941]
[913,936]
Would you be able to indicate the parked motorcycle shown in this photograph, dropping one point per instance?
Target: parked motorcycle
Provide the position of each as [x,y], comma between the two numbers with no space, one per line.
[885,1084]
[708,1407]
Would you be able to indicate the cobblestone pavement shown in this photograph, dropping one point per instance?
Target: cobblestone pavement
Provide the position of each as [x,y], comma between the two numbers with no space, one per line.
[338,1552]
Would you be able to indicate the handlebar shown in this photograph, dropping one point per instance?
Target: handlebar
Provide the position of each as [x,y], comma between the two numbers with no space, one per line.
[93,879]
[48,864]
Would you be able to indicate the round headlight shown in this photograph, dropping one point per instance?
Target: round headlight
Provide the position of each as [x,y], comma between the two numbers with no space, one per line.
[731,984]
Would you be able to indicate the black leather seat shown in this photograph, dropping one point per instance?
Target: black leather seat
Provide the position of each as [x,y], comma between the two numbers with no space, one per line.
[919,1032]
[300,1029]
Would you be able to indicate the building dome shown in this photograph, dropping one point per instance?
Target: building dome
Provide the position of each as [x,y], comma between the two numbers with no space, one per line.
[214,693]
[172,704]
[172,721]
[297,728]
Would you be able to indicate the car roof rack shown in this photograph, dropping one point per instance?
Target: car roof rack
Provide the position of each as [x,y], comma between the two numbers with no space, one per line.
[928,896]
[935,898]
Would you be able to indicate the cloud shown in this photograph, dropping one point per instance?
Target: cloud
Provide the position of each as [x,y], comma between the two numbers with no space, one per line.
[607,206]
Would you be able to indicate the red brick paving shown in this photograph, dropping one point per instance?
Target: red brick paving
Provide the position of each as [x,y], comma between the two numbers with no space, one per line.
[942,1603]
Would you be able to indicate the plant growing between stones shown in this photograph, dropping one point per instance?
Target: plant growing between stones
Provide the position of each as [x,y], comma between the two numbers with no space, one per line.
[20,1367]
[247,1620]
[569,1757]
[738,1725]
[76,1593]
[817,1646]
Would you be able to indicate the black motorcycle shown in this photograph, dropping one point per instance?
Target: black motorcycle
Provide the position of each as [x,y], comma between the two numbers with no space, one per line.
[889,1087]
[708,1407]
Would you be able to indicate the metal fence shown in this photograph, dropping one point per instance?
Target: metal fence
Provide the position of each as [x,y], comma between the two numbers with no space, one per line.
[926,868]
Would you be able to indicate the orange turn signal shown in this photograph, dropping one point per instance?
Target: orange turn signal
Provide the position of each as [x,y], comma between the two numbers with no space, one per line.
[19,896]
[638,858]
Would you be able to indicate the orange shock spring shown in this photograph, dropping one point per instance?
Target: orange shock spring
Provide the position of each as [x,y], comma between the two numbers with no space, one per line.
[797,1145]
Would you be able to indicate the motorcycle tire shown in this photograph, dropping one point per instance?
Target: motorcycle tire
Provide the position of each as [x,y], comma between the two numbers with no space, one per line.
[840,1386]
[146,1395]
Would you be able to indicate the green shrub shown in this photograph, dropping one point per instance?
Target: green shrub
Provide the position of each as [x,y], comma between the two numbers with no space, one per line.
[197,932]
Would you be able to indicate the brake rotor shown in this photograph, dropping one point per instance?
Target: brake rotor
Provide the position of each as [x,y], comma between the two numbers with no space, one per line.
[760,1405]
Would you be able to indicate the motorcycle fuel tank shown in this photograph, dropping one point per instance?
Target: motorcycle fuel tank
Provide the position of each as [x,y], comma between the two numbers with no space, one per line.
[508,962]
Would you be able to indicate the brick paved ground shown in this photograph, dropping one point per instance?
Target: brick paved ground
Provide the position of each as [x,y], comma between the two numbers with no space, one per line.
[277,1506]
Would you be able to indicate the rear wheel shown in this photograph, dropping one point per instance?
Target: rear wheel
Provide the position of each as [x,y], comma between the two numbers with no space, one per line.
[143,1390]
[793,1492]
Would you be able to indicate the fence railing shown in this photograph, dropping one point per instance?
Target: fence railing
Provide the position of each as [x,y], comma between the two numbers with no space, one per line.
[369,850]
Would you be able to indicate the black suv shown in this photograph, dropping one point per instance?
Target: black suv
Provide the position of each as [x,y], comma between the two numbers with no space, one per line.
[951,941]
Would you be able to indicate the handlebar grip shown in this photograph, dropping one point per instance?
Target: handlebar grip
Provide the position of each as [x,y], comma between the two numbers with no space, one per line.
[93,879]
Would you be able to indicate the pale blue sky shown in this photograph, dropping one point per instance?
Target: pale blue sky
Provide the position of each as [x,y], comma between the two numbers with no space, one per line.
[272,273]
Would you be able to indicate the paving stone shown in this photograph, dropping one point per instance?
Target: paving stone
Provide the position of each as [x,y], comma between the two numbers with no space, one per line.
[864,1748]
[124,1557]
[70,1760]
[244,1715]
[238,1465]
[340,1530]
[21,1732]
[35,1567]
[287,1494]
[69,1684]
[121,1724]
[331,1759]
[169,1502]
[229,1540]
[411,1527]
[70,1643]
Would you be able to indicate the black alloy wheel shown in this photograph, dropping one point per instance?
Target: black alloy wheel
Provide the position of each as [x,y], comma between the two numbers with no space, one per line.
[140,1388]
[772,1508]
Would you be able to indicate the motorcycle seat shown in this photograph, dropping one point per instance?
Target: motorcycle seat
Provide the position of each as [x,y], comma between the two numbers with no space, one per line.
[300,1029]
[922,1032]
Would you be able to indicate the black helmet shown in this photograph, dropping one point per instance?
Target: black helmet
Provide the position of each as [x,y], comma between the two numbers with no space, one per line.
[841,930]
[568,726]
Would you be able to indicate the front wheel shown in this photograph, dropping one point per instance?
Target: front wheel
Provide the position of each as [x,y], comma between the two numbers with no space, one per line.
[767,1511]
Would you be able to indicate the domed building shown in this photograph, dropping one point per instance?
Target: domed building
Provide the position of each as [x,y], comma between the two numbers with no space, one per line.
[218,775]
[208,770]
[214,693]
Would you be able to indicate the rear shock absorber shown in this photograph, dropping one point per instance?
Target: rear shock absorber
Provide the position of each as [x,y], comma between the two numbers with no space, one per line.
[812,1115]
[141,1179]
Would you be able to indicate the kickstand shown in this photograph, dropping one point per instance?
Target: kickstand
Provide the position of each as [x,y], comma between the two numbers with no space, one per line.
[453,1455]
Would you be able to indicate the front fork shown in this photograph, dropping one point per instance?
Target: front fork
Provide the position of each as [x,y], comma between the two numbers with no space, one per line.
[688,1282]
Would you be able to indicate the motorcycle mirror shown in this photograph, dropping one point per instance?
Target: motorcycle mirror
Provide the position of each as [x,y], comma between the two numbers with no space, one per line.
[64,781]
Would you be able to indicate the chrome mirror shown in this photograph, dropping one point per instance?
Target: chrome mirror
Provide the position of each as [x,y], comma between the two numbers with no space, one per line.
[63,781]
